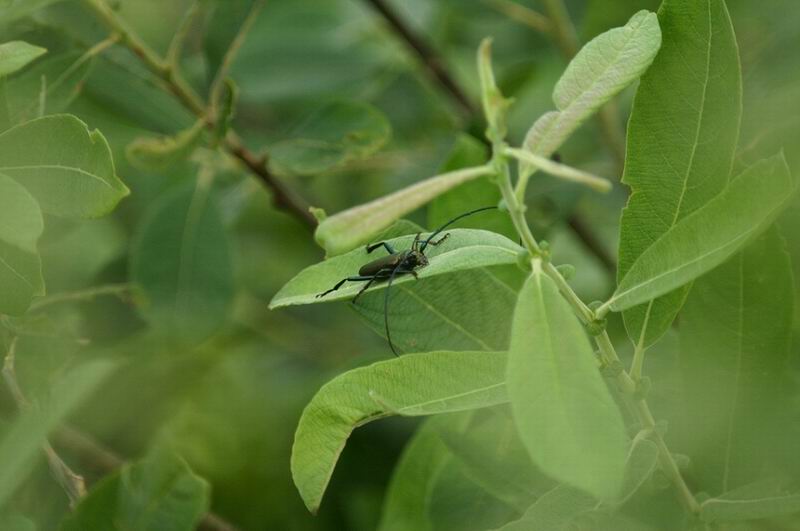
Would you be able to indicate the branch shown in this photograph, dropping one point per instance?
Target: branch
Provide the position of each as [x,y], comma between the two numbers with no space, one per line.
[427,56]
[283,197]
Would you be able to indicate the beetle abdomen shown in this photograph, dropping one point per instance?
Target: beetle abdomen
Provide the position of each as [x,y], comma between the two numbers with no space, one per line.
[384,263]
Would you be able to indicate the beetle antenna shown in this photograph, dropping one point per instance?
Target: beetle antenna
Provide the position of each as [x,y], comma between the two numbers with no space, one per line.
[386,310]
[440,229]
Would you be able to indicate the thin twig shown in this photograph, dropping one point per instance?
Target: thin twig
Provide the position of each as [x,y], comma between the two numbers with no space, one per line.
[72,483]
[283,197]
[114,290]
[427,56]
[235,46]
[522,14]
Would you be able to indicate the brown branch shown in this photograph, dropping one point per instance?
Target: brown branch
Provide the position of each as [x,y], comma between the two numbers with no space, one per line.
[427,56]
[283,197]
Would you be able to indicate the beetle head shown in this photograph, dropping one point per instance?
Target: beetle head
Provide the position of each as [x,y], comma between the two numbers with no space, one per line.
[416,259]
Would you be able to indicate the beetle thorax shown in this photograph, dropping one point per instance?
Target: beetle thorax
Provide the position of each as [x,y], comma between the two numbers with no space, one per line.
[414,259]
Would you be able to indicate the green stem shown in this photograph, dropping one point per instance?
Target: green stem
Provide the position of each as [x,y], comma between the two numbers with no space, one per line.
[607,351]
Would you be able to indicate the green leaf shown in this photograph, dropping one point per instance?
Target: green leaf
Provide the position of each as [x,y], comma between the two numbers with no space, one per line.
[750,502]
[15,55]
[553,510]
[15,9]
[67,168]
[734,365]
[24,438]
[464,249]
[21,225]
[467,310]
[492,456]
[16,522]
[414,477]
[710,235]
[159,493]
[564,412]
[602,68]
[159,154]
[333,136]
[49,86]
[682,137]
[346,230]
[181,260]
[415,384]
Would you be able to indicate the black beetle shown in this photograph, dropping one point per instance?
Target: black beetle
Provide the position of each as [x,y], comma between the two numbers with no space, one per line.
[397,263]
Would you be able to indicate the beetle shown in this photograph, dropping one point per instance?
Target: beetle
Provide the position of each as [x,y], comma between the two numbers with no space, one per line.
[396,263]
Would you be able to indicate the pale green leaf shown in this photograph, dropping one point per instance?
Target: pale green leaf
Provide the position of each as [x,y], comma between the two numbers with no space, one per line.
[346,230]
[565,414]
[181,260]
[465,249]
[710,235]
[606,65]
[15,55]
[466,310]
[750,502]
[734,365]
[159,493]
[682,137]
[16,522]
[415,384]
[639,466]
[334,135]
[24,438]
[21,225]
[158,154]
[66,167]
[554,510]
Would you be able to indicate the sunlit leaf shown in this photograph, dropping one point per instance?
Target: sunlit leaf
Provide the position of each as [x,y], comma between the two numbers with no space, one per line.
[334,135]
[159,493]
[346,230]
[565,414]
[463,250]
[24,438]
[414,384]
[66,167]
[681,140]
[181,260]
[21,225]
[734,365]
[602,68]
[639,466]
[710,235]
[158,154]
[15,55]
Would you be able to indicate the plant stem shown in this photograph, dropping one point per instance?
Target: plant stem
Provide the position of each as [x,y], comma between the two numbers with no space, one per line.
[608,353]
[283,197]
[71,482]
[522,14]
[115,290]
[561,171]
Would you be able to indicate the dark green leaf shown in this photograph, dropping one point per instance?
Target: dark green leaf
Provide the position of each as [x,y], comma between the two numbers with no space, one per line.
[159,493]
[181,260]
[681,139]
[334,135]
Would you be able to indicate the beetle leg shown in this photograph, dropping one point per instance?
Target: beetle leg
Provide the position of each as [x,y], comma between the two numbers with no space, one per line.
[341,282]
[366,286]
[440,240]
[386,245]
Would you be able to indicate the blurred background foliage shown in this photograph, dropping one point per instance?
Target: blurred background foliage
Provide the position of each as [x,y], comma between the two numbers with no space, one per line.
[224,383]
